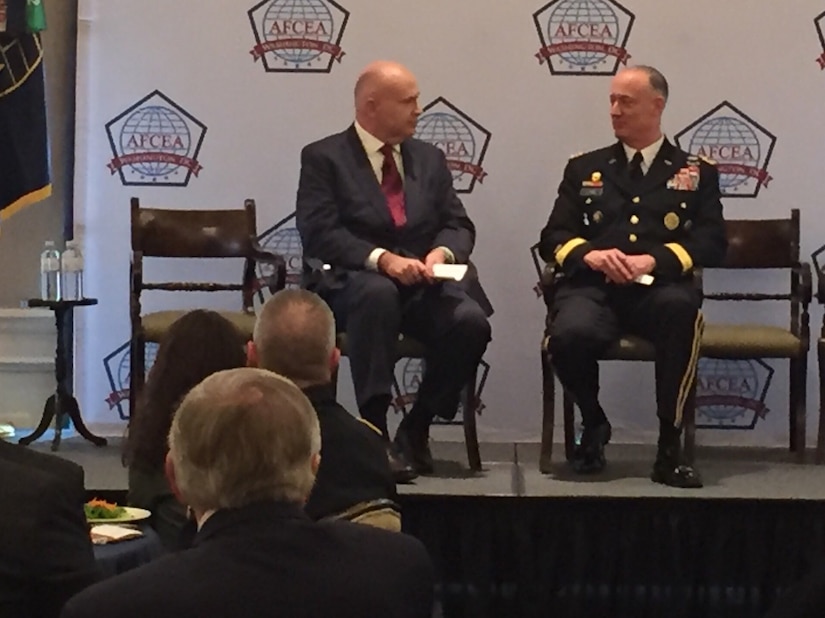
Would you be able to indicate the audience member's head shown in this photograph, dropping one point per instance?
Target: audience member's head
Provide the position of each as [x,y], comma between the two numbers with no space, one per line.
[295,337]
[243,436]
[196,345]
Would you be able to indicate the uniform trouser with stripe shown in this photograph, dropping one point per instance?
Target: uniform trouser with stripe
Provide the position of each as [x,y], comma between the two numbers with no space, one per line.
[587,317]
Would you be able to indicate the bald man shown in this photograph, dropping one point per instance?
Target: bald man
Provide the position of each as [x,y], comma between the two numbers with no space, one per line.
[376,211]
[629,225]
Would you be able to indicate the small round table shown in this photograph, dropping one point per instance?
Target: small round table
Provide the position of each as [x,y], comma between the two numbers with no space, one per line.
[62,401]
[116,558]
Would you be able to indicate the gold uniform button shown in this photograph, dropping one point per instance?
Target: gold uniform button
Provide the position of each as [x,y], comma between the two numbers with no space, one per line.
[636,200]
[634,219]
[632,237]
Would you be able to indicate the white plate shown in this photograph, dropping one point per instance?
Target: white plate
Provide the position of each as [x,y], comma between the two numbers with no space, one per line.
[132,514]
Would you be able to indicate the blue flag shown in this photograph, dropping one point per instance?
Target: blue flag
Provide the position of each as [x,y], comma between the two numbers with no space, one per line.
[24,146]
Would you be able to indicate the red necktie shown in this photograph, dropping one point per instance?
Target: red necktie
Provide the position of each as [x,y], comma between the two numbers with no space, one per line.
[392,187]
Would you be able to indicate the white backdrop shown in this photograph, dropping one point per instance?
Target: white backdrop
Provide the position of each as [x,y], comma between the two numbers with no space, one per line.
[180,91]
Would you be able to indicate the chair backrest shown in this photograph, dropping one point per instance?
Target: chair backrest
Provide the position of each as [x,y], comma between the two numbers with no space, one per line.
[158,232]
[769,244]
[763,243]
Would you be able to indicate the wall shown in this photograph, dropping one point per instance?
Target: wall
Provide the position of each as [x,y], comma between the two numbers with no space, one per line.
[510,121]
[22,236]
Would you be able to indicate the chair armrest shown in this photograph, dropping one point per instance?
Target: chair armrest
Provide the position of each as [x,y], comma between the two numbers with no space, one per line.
[820,274]
[276,281]
[806,284]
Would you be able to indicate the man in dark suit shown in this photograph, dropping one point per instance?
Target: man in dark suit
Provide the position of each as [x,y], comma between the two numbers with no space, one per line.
[294,336]
[377,212]
[630,223]
[243,452]
[45,549]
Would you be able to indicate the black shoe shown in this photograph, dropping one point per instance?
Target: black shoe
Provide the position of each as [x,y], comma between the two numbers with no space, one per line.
[414,444]
[402,471]
[671,469]
[589,457]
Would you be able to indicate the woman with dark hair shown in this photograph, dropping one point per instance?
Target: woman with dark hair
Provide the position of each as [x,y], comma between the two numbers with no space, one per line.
[197,344]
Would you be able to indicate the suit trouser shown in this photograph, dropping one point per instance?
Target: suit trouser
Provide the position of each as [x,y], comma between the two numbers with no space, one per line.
[373,309]
[588,317]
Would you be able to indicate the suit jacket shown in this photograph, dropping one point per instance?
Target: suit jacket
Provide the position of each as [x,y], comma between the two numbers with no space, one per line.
[45,550]
[354,466]
[270,560]
[342,215]
[676,218]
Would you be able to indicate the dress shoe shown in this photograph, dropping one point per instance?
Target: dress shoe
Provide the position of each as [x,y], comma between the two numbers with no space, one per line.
[671,469]
[402,471]
[589,454]
[414,444]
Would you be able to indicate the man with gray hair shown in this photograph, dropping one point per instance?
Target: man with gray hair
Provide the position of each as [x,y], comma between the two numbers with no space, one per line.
[630,224]
[295,336]
[244,448]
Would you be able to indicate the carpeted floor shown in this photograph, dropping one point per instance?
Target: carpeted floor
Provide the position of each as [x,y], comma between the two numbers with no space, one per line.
[512,470]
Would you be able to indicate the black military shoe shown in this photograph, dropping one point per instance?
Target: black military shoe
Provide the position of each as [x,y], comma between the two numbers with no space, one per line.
[402,471]
[414,444]
[589,457]
[671,469]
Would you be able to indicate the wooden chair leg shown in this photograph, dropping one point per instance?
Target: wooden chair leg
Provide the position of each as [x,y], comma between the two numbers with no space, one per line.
[471,403]
[548,413]
[569,425]
[798,370]
[820,437]
[689,425]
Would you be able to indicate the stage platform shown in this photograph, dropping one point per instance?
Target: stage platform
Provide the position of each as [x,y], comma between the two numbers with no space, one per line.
[510,541]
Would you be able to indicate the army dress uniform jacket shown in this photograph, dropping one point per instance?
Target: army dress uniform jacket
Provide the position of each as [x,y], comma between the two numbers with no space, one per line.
[673,213]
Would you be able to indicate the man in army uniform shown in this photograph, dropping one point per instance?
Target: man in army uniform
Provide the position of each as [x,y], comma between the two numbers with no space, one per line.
[630,223]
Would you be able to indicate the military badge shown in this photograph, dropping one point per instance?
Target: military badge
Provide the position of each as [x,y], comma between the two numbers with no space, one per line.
[597,216]
[686,179]
[671,221]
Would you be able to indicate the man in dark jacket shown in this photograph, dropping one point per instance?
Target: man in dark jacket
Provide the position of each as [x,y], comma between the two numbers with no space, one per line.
[630,223]
[45,549]
[377,211]
[294,336]
[244,449]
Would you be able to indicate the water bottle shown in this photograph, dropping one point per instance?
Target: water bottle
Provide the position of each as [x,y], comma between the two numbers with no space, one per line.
[50,272]
[71,266]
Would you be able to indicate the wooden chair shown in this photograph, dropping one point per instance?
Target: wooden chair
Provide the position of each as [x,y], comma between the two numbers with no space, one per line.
[411,348]
[164,233]
[767,245]
[752,245]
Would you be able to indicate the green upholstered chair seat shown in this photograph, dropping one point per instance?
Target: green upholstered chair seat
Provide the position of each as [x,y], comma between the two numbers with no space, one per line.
[749,341]
[156,324]
[407,346]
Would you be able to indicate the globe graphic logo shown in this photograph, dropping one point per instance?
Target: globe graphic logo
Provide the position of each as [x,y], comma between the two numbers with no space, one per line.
[450,134]
[725,378]
[411,376]
[315,19]
[124,368]
[569,13]
[155,128]
[286,241]
[731,139]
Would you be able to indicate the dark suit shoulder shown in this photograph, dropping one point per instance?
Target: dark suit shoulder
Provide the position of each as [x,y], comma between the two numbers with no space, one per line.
[325,144]
[599,154]
[67,470]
